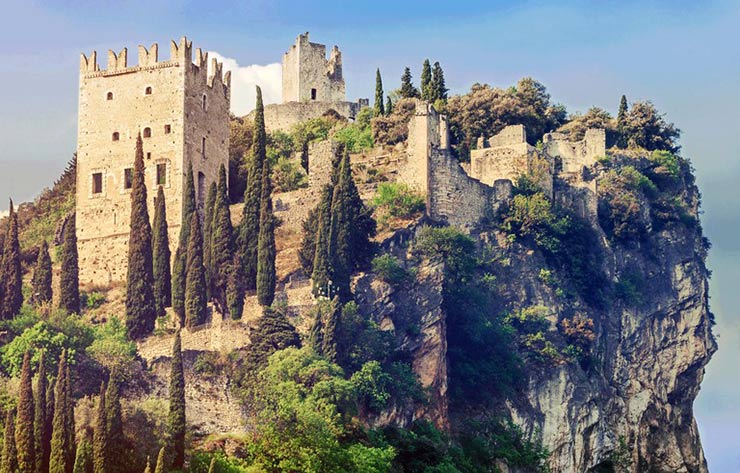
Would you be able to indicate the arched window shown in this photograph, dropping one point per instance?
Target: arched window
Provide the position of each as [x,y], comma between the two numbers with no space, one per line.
[147,132]
[109,96]
[148,91]
[203,103]
[116,136]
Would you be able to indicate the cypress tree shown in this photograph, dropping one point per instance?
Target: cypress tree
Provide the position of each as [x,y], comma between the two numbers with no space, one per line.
[307,251]
[407,87]
[41,281]
[222,242]
[100,434]
[210,215]
[304,156]
[177,405]
[426,80]
[212,467]
[321,263]
[266,247]
[273,333]
[10,455]
[148,468]
[195,282]
[116,454]
[249,231]
[439,89]
[330,342]
[622,123]
[161,268]
[60,436]
[69,285]
[340,259]
[316,337]
[141,311]
[160,462]
[10,270]
[41,447]
[388,105]
[70,419]
[24,439]
[179,271]
[379,109]
[48,430]
[235,288]
[83,460]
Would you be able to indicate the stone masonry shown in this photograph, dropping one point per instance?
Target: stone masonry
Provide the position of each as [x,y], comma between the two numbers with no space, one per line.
[182,113]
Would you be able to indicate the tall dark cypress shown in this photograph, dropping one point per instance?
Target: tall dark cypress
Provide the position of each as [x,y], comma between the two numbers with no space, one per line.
[379,108]
[266,250]
[388,105]
[70,419]
[439,89]
[117,454]
[10,455]
[179,271]
[222,243]
[340,232]
[160,462]
[235,288]
[41,281]
[84,458]
[60,436]
[48,430]
[249,231]
[207,234]
[426,80]
[177,405]
[39,422]
[10,270]
[195,281]
[24,438]
[321,264]
[100,434]
[330,342]
[69,280]
[141,312]
[307,251]
[407,87]
[161,266]
[622,131]
[316,336]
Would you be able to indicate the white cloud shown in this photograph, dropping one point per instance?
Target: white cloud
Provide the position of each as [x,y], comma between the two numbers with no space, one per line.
[245,78]
[3,214]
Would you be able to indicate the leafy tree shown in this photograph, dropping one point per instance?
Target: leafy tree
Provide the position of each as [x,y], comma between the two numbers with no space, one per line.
[622,123]
[176,422]
[593,118]
[407,87]
[379,108]
[195,286]
[249,231]
[58,462]
[222,243]
[647,128]
[160,462]
[24,438]
[10,455]
[41,282]
[161,268]
[41,446]
[84,458]
[100,434]
[210,216]
[266,247]
[141,312]
[10,271]
[438,87]
[426,81]
[116,456]
[180,267]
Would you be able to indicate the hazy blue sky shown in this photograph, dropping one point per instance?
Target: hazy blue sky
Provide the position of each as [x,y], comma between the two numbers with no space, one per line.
[682,55]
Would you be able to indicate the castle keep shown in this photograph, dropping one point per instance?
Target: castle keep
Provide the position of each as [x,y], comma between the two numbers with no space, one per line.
[182,113]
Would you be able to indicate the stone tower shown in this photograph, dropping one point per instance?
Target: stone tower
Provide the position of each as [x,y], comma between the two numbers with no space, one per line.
[182,113]
[308,76]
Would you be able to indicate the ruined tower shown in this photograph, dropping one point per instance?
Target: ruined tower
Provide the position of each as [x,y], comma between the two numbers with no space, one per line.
[308,76]
[182,113]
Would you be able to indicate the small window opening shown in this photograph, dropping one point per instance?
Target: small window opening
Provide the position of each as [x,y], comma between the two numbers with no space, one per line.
[109,96]
[97,182]
[116,136]
[201,188]
[313,94]
[203,103]
[203,147]
[149,155]
[128,178]
[148,91]
[147,132]
[167,129]
[161,174]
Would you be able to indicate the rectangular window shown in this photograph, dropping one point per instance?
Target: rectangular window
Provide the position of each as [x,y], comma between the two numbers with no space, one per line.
[203,147]
[313,94]
[167,129]
[161,174]
[97,183]
[149,155]
[128,178]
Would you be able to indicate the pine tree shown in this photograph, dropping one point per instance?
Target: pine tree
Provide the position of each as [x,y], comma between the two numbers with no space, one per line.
[41,282]
[330,342]
[141,312]
[222,243]
[379,109]
[622,123]
[60,437]
[160,462]
[83,460]
[388,105]
[100,434]
[176,423]
[249,231]
[41,447]
[266,244]
[321,264]
[10,270]
[195,283]
[116,455]
[407,87]
[439,89]
[10,455]
[210,215]
[426,81]
[69,285]
[24,439]
[179,271]
[161,267]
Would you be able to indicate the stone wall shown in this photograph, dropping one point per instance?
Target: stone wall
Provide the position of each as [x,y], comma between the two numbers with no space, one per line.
[178,108]
[309,76]
[574,155]
[283,116]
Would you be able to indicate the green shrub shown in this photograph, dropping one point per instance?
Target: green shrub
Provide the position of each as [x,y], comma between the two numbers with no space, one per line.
[397,200]
[356,136]
[288,175]
[529,320]
[388,269]
[92,300]
[668,161]
[112,347]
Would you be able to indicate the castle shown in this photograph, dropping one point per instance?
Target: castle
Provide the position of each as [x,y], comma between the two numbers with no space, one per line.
[182,114]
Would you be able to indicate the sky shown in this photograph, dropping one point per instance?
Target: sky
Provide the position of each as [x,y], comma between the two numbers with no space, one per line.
[682,55]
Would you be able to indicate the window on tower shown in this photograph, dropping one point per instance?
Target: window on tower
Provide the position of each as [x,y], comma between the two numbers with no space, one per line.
[167,129]
[115,136]
[148,91]
[313,94]
[147,132]
[161,174]
[97,183]
[109,96]
[128,178]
